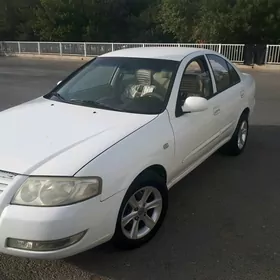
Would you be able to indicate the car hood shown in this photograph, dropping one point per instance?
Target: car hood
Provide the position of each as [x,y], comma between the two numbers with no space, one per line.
[44,137]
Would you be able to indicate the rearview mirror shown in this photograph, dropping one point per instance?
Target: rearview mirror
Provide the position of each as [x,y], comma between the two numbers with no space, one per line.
[58,83]
[195,104]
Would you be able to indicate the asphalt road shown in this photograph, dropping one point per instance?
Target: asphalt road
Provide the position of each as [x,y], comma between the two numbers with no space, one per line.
[223,221]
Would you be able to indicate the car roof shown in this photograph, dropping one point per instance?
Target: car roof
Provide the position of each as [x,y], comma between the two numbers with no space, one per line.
[169,53]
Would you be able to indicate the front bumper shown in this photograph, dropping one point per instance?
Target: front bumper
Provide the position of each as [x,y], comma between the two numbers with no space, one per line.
[97,218]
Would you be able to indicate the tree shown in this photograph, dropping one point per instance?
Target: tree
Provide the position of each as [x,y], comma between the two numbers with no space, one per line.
[178,17]
[59,20]
[106,20]
[16,18]
[257,21]
[238,21]
[144,23]
[215,21]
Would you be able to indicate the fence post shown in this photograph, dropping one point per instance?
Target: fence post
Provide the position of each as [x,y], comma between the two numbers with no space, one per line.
[112,47]
[220,48]
[60,48]
[85,49]
[19,50]
[266,54]
[39,48]
[179,45]
[143,46]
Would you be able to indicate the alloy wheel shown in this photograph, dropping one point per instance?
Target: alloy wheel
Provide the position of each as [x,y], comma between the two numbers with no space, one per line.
[141,213]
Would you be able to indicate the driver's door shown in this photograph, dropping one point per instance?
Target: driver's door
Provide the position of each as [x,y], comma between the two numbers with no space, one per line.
[196,134]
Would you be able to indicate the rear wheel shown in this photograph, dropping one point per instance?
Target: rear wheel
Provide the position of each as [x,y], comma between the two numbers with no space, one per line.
[238,141]
[142,211]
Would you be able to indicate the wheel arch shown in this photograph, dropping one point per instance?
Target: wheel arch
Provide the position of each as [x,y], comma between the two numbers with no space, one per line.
[157,169]
[246,111]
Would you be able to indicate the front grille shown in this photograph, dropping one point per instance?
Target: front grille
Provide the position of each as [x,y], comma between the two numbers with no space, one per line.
[5,179]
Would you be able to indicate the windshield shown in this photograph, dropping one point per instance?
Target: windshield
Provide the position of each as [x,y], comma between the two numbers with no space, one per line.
[136,85]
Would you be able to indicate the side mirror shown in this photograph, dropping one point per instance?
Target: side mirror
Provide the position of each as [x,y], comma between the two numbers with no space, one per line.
[58,83]
[195,104]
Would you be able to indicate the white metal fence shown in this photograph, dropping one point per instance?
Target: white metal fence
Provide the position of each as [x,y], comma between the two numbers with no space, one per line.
[273,54]
[234,52]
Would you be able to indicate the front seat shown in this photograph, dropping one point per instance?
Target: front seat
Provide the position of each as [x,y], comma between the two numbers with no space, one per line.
[191,85]
[144,77]
[162,80]
[142,86]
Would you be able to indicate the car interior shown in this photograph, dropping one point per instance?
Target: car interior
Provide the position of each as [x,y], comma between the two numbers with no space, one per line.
[146,82]
[196,81]
[127,87]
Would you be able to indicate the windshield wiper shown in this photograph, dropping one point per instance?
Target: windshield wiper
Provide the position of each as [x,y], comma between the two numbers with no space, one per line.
[95,104]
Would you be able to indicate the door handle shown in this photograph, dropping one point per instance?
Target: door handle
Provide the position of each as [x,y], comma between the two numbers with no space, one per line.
[216,111]
[242,93]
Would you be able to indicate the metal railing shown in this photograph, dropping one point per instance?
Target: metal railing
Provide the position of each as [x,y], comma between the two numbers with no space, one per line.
[273,54]
[234,52]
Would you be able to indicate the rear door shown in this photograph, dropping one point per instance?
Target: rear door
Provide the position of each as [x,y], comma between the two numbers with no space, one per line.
[228,92]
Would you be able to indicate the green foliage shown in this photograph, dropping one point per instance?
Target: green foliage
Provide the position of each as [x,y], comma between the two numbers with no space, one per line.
[178,18]
[238,21]
[16,19]
[258,20]
[215,21]
[58,20]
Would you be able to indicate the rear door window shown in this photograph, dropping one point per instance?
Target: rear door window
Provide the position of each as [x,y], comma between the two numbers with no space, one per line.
[220,71]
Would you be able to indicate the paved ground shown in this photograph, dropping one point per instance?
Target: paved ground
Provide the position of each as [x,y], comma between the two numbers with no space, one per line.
[223,222]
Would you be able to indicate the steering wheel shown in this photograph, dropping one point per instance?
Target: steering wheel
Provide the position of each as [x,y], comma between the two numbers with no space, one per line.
[153,95]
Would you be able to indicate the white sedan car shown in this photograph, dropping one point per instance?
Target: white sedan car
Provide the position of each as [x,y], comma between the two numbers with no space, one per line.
[93,160]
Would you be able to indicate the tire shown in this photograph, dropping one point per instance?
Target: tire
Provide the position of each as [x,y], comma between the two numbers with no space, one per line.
[125,236]
[238,141]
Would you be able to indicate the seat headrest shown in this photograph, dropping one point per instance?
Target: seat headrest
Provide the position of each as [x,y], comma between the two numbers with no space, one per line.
[166,74]
[144,76]
[190,83]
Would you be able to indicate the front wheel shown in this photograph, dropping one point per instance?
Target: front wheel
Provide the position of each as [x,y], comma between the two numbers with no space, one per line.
[142,211]
[238,141]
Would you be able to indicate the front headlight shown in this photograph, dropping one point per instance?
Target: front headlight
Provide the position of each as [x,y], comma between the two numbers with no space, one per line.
[56,191]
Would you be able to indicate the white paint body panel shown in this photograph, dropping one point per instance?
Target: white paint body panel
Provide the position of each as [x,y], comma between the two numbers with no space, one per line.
[44,137]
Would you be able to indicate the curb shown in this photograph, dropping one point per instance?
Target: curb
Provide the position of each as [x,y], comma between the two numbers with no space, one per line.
[267,67]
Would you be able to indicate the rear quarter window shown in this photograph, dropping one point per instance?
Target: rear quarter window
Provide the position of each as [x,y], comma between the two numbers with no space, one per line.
[234,76]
